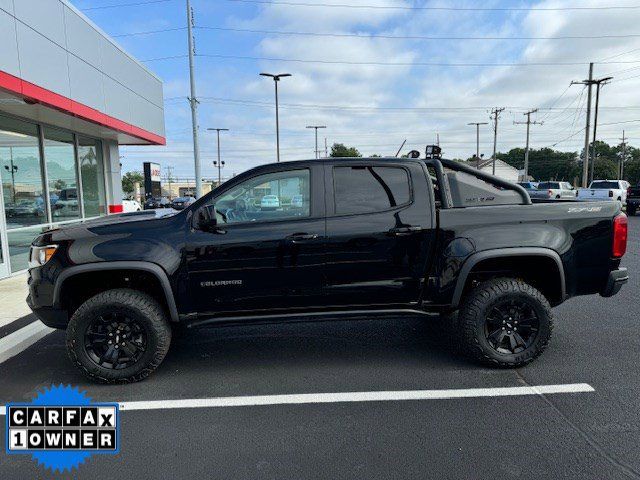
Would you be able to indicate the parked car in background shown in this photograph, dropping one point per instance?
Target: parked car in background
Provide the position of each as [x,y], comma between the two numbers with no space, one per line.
[633,199]
[605,190]
[129,206]
[269,202]
[558,190]
[180,203]
[297,201]
[157,202]
[533,191]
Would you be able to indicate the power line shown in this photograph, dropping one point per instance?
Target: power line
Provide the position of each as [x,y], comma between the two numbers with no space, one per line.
[460,9]
[370,107]
[121,5]
[148,32]
[399,64]
[412,37]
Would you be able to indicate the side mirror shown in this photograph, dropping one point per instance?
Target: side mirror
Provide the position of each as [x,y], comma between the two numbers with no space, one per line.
[207,221]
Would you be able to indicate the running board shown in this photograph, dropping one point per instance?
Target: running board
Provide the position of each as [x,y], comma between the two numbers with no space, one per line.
[302,317]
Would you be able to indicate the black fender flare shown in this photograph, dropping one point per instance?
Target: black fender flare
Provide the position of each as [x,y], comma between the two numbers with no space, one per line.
[476,258]
[149,267]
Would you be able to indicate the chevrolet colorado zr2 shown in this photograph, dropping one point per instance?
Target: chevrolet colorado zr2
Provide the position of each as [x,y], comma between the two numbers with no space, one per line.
[348,236]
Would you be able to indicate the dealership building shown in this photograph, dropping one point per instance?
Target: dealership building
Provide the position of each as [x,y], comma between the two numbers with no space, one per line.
[69,96]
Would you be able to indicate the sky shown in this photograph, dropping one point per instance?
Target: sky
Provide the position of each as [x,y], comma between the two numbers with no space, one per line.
[378,72]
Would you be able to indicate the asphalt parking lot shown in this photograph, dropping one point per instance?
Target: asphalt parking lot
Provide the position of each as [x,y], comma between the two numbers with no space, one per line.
[569,435]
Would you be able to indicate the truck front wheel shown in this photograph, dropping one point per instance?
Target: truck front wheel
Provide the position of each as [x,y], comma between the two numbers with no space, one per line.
[118,336]
[505,322]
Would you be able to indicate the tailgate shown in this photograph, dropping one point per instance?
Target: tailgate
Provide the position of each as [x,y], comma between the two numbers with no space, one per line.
[593,194]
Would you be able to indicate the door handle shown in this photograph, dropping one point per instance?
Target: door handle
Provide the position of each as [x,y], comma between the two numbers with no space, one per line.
[302,237]
[402,231]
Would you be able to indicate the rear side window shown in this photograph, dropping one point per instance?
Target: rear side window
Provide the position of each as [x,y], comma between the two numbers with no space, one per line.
[366,189]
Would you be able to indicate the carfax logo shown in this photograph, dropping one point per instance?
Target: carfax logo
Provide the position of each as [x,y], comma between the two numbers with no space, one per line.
[62,427]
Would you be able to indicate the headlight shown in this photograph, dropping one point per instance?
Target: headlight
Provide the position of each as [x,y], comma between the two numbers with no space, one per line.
[41,255]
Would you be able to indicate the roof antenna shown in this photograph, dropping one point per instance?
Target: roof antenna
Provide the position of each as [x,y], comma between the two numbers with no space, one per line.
[400,149]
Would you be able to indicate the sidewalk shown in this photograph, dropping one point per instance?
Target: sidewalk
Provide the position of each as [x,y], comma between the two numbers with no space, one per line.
[19,328]
[13,292]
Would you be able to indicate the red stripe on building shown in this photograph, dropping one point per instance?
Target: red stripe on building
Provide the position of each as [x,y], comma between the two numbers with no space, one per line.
[34,93]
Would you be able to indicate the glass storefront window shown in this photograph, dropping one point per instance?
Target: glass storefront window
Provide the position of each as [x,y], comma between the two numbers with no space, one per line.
[92,174]
[19,244]
[61,172]
[20,170]
[23,187]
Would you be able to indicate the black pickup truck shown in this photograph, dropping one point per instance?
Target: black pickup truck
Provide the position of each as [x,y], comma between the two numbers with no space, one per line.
[326,239]
[633,200]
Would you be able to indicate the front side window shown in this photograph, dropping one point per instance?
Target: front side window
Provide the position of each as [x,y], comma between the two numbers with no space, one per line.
[273,196]
[366,189]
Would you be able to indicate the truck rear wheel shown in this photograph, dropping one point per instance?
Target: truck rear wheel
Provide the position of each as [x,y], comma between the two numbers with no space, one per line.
[505,322]
[118,336]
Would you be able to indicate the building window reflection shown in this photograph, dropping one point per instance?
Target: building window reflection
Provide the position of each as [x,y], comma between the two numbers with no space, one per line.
[59,153]
[74,177]
[21,170]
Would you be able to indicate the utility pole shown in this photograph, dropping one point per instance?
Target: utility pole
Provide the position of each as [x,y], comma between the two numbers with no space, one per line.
[193,101]
[276,79]
[170,178]
[624,155]
[495,113]
[598,83]
[326,151]
[585,165]
[477,124]
[218,164]
[316,127]
[526,150]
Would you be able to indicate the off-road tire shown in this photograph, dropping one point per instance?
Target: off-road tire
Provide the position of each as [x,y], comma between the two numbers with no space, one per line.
[136,304]
[475,309]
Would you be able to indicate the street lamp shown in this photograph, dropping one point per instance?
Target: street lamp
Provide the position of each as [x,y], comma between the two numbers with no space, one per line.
[316,127]
[219,164]
[276,79]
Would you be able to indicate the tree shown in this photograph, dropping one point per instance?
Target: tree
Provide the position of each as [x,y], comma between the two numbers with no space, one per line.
[339,150]
[545,163]
[128,181]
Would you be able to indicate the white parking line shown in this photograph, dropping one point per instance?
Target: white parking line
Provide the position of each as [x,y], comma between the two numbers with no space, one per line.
[342,397]
[19,340]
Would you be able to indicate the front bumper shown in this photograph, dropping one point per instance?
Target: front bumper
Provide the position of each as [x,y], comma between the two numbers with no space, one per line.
[617,278]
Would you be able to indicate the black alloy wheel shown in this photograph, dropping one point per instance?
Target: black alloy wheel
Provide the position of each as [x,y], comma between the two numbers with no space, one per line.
[115,341]
[511,326]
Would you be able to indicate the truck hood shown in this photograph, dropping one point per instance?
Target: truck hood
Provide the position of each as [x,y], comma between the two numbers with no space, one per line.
[91,228]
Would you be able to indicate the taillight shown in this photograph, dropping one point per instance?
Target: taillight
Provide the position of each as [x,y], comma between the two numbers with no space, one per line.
[620,229]
[550,193]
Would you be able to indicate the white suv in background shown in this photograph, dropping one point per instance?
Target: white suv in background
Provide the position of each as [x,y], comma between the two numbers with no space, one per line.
[558,190]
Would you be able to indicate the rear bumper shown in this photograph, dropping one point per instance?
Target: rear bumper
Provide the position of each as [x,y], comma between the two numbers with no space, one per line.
[617,278]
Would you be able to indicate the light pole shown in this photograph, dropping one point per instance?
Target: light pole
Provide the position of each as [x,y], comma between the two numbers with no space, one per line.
[477,124]
[219,163]
[316,127]
[276,79]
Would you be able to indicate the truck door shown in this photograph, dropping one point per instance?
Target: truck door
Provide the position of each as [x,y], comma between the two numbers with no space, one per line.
[267,252]
[379,232]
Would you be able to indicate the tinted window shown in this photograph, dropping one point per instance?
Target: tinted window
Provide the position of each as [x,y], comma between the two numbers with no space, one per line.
[547,185]
[273,196]
[605,185]
[369,189]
